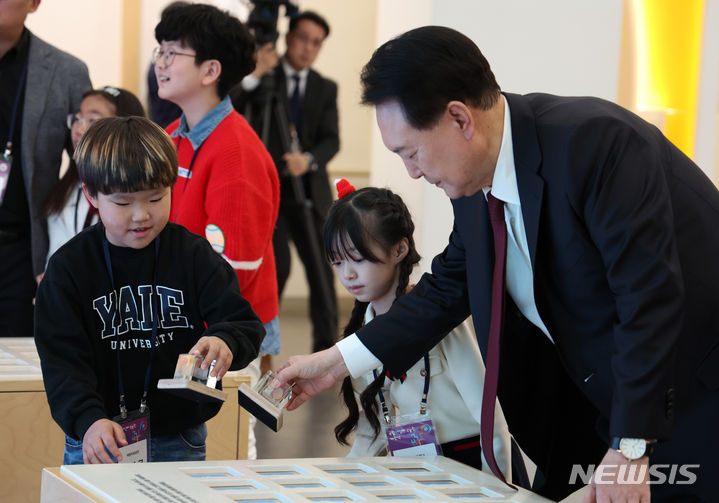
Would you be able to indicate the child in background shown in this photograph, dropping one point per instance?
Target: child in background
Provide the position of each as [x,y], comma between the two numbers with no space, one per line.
[122,299]
[368,239]
[228,189]
[68,211]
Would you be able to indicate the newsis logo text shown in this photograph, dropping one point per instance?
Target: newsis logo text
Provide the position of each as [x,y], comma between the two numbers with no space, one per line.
[635,474]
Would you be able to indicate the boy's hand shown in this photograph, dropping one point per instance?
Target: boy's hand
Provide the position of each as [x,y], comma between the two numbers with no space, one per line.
[102,436]
[213,348]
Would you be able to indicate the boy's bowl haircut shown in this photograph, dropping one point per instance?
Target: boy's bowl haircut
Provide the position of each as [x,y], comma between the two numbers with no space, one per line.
[125,154]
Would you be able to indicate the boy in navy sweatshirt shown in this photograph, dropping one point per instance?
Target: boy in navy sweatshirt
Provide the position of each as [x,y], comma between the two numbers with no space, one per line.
[122,299]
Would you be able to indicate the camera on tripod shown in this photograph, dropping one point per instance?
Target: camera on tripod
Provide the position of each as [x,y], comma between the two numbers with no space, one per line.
[262,20]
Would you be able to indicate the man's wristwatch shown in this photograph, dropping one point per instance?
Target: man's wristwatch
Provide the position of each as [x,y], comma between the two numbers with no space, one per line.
[633,448]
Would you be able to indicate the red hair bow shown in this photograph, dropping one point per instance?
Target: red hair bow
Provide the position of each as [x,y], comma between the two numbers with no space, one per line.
[343,188]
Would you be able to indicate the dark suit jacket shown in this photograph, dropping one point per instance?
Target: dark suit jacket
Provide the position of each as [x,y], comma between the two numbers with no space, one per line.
[622,233]
[319,131]
[55,84]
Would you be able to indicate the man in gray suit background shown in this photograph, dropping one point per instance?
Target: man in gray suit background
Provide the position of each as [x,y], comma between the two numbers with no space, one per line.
[39,86]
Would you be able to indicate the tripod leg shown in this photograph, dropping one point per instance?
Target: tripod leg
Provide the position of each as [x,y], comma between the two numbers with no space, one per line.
[298,189]
[322,302]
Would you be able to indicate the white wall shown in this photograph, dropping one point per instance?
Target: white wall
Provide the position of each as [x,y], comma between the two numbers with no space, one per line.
[706,147]
[566,47]
[88,29]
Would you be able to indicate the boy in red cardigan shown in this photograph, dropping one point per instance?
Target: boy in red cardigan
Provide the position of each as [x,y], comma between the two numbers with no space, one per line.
[227,189]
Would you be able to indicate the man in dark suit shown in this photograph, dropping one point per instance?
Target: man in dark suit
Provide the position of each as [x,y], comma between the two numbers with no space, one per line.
[309,104]
[42,85]
[610,344]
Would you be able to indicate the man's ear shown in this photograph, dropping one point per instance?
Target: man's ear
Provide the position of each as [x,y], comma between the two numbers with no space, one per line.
[212,69]
[90,199]
[461,116]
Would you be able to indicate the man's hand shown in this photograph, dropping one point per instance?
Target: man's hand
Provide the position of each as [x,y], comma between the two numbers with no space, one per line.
[213,348]
[267,59]
[618,480]
[311,374]
[102,436]
[297,163]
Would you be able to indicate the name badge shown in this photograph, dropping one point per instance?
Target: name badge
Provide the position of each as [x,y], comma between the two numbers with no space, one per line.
[412,435]
[184,172]
[5,165]
[137,433]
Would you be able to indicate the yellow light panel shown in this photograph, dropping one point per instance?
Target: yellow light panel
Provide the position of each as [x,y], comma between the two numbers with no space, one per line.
[668,45]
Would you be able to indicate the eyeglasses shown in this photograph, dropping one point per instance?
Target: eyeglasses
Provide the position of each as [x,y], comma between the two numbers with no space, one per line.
[73,119]
[168,56]
[304,38]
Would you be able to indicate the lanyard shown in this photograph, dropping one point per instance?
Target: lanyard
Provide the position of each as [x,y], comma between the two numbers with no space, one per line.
[77,203]
[13,117]
[91,212]
[121,386]
[422,403]
[192,161]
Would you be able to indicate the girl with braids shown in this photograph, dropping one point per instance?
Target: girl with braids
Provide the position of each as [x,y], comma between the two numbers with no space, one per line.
[368,239]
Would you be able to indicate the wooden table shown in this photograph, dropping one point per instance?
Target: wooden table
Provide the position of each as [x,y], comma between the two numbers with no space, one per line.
[437,479]
[228,431]
[30,440]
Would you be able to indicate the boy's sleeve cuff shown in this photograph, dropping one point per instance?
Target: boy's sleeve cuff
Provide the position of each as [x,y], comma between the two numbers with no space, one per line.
[358,359]
[85,420]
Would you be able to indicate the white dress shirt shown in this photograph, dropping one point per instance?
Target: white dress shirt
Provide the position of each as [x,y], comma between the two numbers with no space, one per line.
[290,73]
[250,82]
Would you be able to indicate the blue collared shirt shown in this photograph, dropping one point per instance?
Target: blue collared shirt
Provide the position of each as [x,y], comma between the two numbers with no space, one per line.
[206,126]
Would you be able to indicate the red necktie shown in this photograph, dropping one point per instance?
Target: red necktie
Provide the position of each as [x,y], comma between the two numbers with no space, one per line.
[489,396]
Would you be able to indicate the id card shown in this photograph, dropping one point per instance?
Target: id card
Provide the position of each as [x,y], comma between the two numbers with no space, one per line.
[137,433]
[412,435]
[5,165]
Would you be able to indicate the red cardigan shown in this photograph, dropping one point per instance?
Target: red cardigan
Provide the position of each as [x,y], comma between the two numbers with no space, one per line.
[232,197]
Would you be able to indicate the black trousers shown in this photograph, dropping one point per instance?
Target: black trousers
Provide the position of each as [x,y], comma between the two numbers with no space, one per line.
[17,289]
[292,224]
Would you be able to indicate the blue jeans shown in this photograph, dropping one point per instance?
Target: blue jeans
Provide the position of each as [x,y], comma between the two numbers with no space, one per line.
[271,342]
[188,445]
